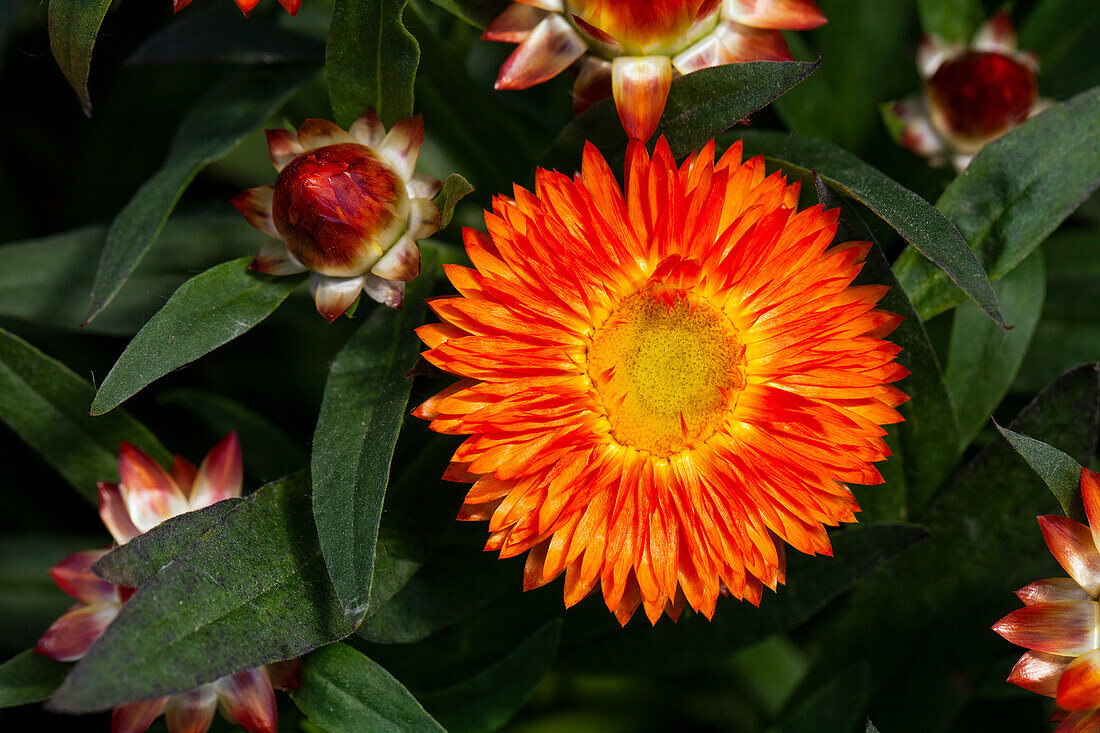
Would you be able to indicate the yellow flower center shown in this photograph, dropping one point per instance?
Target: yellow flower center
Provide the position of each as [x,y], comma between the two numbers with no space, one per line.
[667,367]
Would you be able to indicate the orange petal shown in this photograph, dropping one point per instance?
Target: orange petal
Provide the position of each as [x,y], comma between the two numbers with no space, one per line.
[249,700]
[1080,722]
[794,15]
[136,717]
[71,635]
[1058,627]
[221,474]
[368,129]
[1090,494]
[641,85]
[255,206]
[1052,589]
[115,515]
[514,24]
[151,495]
[283,147]
[401,146]
[549,50]
[1079,686]
[1072,546]
[275,259]
[74,576]
[334,295]
[1039,672]
[291,6]
[191,711]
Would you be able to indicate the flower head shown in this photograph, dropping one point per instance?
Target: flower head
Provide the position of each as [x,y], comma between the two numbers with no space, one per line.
[1060,620]
[662,388]
[146,496]
[347,207]
[973,94]
[246,6]
[631,49]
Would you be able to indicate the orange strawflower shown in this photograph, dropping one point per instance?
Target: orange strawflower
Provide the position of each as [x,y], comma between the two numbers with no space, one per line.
[665,387]
[246,6]
[1060,620]
[633,48]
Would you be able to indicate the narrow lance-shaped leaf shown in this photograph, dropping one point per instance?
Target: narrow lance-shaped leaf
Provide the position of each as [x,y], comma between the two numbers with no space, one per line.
[926,229]
[701,105]
[1060,472]
[74,25]
[46,405]
[210,130]
[371,60]
[488,700]
[929,435]
[361,415]
[208,311]
[343,691]
[251,590]
[1014,193]
[982,360]
[29,677]
[142,557]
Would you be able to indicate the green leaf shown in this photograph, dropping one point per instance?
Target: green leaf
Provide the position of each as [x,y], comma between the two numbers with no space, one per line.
[812,582]
[208,311]
[46,405]
[252,590]
[954,21]
[701,105]
[29,677]
[840,102]
[984,544]
[487,701]
[1015,192]
[343,691]
[74,25]
[455,188]
[212,128]
[143,557]
[982,360]
[364,406]
[929,436]
[371,60]
[47,281]
[1059,472]
[927,230]
[268,452]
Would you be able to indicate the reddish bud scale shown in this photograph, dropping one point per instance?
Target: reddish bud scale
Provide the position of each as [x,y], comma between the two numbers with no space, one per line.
[338,208]
[979,95]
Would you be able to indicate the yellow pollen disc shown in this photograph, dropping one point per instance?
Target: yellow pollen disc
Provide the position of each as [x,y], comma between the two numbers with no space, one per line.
[667,367]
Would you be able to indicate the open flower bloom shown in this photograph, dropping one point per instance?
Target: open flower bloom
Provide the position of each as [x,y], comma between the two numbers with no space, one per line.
[145,497]
[973,94]
[1060,620]
[347,207]
[246,6]
[662,388]
[633,48]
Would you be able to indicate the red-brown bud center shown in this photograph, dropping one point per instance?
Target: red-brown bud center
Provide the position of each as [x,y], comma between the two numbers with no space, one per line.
[339,208]
[980,95]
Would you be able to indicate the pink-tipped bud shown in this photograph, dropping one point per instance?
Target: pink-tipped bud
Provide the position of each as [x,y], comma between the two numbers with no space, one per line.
[980,95]
[339,208]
